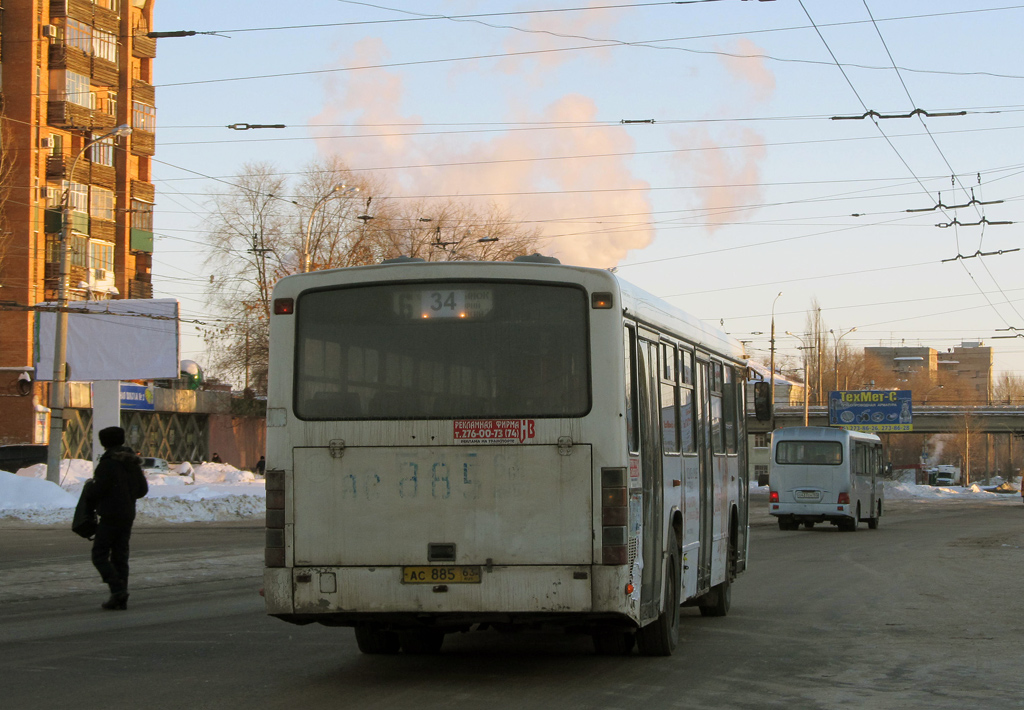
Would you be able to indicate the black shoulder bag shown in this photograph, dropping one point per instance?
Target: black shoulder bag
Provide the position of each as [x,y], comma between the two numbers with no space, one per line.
[84,522]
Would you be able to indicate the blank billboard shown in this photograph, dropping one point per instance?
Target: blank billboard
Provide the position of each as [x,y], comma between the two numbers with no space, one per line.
[123,339]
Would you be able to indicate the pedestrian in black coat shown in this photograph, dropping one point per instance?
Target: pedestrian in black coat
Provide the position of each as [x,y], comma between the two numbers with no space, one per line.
[119,482]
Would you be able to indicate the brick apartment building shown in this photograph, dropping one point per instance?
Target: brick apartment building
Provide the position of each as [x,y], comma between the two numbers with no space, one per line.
[70,72]
[965,371]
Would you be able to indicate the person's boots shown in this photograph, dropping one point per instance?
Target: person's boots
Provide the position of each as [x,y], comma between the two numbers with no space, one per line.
[118,596]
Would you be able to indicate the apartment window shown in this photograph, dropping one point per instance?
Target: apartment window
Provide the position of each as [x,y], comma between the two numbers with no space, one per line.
[104,45]
[143,117]
[142,215]
[73,87]
[78,196]
[102,153]
[110,105]
[101,203]
[762,440]
[56,144]
[78,35]
[101,256]
[79,251]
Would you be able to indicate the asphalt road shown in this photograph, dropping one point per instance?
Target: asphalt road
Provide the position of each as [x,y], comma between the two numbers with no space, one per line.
[925,612]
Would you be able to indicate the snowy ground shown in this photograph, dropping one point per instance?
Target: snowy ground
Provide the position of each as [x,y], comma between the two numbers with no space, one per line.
[211,491]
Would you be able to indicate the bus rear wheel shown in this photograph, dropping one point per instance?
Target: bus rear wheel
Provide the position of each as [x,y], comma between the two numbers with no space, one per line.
[375,639]
[661,637]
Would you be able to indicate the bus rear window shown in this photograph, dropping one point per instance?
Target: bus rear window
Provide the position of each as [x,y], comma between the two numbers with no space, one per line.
[812,453]
[442,351]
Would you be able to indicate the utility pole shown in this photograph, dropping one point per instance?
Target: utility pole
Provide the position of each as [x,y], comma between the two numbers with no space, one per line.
[58,387]
[771,379]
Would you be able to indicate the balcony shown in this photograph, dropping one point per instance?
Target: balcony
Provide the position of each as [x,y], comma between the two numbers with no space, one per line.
[73,59]
[139,289]
[141,240]
[103,72]
[143,92]
[64,114]
[143,47]
[143,142]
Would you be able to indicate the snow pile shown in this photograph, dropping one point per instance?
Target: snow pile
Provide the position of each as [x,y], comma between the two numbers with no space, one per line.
[208,492]
[221,473]
[30,494]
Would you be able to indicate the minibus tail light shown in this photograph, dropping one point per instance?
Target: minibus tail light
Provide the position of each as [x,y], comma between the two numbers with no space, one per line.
[844,499]
[614,517]
[773,497]
[284,306]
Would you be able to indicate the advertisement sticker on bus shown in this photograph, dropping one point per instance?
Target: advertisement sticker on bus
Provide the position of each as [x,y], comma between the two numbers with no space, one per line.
[494,431]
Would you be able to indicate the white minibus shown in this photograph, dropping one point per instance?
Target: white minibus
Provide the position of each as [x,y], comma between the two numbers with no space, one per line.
[824,474]
[454,446]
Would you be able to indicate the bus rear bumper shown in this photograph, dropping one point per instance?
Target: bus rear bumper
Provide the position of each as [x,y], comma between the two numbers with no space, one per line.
[811,512]
[343,595]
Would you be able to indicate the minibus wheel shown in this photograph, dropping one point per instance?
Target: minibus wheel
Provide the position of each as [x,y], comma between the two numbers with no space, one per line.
[873,521]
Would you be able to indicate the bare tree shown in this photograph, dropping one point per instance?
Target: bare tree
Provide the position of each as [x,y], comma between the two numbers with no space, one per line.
[1009,389]
[259,233]
[248,224]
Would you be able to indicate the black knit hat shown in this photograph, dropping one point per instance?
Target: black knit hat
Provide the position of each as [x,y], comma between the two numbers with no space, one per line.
[112,436]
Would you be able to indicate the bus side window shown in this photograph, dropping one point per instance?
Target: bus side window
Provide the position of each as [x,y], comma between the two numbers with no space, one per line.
[632,433]
[669,400]
[687,440]
[729,404]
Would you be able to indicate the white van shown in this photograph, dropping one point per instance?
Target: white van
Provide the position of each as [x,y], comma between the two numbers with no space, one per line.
[823,474]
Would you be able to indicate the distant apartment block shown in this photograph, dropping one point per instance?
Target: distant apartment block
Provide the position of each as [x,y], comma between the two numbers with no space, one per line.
[965,369]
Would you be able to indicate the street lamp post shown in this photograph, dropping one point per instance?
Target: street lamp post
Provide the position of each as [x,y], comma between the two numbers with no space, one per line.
[336,191]
[837,339]
[803,346]
[60,343]
[771,381]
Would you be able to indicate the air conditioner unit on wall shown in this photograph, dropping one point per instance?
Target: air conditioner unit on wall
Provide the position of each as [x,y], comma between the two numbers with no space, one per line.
[99,274]
[51,31]
[45,143]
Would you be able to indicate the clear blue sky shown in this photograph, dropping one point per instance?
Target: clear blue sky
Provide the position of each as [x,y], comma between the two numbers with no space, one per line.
[742,187]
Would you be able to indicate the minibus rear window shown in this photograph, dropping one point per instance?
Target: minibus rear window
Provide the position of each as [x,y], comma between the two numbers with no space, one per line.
[809,453]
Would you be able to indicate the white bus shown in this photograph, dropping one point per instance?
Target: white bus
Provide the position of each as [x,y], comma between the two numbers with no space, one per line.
[470,445]
[823,474]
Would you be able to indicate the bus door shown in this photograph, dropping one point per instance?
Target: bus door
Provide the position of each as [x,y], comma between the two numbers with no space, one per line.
[704,453]
[651,478]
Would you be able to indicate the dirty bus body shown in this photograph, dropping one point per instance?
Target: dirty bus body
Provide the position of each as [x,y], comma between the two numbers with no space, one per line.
[499,444]
[823,474]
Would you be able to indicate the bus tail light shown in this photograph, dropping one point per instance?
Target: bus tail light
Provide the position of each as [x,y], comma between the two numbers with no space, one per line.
[614,517]
[274,550]
[844,499]
[773,497]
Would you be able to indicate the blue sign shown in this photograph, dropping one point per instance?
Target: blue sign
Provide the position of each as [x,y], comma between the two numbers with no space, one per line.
[871,410]
[138,397]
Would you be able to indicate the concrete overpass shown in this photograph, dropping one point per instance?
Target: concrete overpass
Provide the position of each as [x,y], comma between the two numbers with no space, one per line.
[928,419]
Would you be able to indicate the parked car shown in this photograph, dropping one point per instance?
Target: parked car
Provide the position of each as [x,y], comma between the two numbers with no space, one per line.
[151,464]
[16,456]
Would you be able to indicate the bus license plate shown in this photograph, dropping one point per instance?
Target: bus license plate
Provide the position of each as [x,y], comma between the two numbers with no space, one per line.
[438,574]
[807,494]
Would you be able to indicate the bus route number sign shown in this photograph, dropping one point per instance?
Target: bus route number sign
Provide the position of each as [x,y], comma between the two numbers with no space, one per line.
[443,303]
[494,431]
